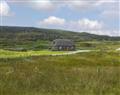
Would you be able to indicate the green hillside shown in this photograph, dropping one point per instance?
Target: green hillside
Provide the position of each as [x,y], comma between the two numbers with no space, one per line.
[33,34]
[35,38]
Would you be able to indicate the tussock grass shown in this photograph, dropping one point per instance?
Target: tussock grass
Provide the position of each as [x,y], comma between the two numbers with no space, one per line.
[93,73]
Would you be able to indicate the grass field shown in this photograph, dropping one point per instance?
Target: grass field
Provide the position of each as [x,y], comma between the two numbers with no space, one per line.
[14,54]
[37,73]
[91,73]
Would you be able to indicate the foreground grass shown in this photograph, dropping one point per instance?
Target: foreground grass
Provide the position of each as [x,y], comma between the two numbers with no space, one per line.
[93,73]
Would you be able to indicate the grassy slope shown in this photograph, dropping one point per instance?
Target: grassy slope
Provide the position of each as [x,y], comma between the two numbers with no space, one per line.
[94,73]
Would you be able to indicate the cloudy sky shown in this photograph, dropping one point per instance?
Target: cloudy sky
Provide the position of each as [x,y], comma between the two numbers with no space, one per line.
[92,16]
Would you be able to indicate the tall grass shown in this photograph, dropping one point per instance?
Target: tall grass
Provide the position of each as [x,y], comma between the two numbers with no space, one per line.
[93,73]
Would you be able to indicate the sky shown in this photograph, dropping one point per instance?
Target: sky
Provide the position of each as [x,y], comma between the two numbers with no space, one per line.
[100,17]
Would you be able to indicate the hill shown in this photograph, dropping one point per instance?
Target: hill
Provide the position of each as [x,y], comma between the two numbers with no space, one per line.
[27,36]
[33,34]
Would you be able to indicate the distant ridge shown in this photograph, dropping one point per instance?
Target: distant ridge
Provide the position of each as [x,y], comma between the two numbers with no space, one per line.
[33,34]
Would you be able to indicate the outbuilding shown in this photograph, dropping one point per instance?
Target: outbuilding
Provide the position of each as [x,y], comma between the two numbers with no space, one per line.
[63,45]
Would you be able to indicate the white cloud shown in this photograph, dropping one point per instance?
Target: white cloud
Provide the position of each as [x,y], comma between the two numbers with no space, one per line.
[89,24]
[41,5]
[80,5]
[102,2]
[89,4]
[85,24]
[75,4]
[82,24]
[110,14]
[4,9]
[106,32]
[94,27]
[52,20]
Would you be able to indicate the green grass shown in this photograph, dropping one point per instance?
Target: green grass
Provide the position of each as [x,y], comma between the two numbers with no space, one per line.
[40,48]
[41,45]
[106,45]
[14,54]
[37,73]
[27,45]
[93,73]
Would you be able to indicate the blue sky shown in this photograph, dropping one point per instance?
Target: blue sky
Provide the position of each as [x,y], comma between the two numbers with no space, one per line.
[92,16]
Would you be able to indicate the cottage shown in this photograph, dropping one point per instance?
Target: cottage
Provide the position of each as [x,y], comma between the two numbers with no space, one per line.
[63,45]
